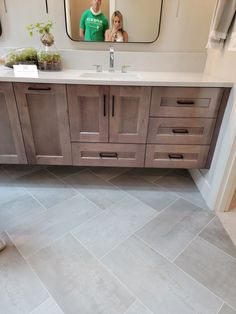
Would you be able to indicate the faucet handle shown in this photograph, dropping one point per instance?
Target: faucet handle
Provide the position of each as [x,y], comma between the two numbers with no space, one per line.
[124,68]
[98,67]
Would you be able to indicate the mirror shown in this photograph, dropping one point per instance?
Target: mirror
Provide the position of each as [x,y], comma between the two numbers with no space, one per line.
[141,18]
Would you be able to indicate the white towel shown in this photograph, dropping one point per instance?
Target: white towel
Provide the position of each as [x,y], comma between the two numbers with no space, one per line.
[222,19]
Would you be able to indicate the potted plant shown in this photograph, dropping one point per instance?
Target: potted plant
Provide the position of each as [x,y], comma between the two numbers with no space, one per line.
[21,56]
[48,58]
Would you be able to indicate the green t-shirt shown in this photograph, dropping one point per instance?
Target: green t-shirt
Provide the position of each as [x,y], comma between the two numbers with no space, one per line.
[94,26]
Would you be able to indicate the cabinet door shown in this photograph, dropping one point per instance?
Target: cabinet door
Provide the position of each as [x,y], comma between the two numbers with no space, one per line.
[129,110]
[88,112]
[44,119]
[11,142]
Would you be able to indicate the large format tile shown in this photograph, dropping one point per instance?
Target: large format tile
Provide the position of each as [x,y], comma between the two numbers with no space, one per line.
[227,310]
[77,281]
[179,181]
[113,226]
[20,289]
[212,267]
[228,220]
[216,234]
[48,307]
[55,222]
[138,308]
[17,211]
[46,187]
[174,228]
[16,171]
[107,173]
[159,284]
[149,174]
[147,192]
[64,171]
[96,189]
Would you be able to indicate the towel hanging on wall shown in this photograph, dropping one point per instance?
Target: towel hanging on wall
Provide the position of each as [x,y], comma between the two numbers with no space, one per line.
[222,19]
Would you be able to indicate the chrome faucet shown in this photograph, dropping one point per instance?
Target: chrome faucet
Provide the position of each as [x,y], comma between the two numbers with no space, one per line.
[112,59]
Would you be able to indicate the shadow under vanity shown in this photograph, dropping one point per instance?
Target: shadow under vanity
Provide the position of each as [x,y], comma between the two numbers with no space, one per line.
[101,125]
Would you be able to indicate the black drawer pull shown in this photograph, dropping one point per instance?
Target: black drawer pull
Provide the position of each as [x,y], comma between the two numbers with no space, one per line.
[185,102]
[113,106]
[176,156]
[108,155]
[180,131]
[39,88]
[104,106]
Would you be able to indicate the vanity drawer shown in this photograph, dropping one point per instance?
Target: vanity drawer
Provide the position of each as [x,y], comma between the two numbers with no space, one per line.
[105,154]
[180,130]
[185,101]
[176,156]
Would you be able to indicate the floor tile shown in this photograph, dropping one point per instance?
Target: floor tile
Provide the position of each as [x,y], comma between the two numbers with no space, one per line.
[55,222]
[16,171]
[95,189]
[212,267]
[179,181]
[113,226]
[138,308]
[157,283]
[227,310]
[216,234]
[228,220]
[48,307]
[149,174]
[147,192]
[107,173]
[20,289]
[174,228]
[65,171]
[17,211]
[46,188]
[77,281]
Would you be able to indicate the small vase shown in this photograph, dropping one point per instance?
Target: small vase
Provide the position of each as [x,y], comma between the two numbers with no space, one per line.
[49,58]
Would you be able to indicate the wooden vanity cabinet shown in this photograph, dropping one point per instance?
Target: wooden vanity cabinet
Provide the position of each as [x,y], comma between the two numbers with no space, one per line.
[183,127]
[111,118]
[11,142]
[44,120]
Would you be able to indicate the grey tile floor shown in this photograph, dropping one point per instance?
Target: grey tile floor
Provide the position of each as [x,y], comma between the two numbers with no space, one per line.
[111,240]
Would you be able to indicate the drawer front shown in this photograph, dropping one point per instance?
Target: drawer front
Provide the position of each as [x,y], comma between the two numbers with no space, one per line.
[185,101]
[115,155]
[180,130]
[176,156]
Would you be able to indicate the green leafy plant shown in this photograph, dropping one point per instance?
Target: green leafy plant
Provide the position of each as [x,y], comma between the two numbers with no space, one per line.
[41,28]
[21,56]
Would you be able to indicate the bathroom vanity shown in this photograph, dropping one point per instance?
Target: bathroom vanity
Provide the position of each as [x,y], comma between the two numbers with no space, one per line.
[167,120]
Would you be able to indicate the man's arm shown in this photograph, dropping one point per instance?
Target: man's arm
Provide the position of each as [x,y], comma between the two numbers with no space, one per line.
[81,33]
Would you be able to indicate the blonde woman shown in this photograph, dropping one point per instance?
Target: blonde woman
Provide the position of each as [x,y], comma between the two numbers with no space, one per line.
[116,33]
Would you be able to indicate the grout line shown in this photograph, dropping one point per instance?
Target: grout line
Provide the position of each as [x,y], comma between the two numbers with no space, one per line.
[112,177]
[113,275]
[35,273]
[135,301]
[180,269]
[37,307]
[70,175]
[221,308]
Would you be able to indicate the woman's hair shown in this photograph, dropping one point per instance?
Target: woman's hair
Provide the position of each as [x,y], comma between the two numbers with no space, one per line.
[120,16]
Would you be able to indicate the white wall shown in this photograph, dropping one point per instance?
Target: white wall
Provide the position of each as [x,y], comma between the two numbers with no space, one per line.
[213,183]
[182,40]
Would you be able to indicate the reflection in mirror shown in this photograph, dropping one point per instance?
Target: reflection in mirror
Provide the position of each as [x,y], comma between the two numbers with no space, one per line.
[141,18]
[0,28]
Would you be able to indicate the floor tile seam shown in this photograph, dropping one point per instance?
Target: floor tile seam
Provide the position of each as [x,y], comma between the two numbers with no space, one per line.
[37,307]
[193,239]
[35,273]
[112,177]
[218,249]
[135,301]
[38,201]
[67,176]
[181,270]
[164,175]
[132,294]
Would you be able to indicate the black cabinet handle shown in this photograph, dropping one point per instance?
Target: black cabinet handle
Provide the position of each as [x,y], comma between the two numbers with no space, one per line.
[176,156]
[113,106]
[104,106]
[39,88]
[180,131]
[108,155]
[185,102]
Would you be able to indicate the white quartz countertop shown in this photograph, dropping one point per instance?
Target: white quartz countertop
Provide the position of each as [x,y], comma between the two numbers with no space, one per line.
[72,76]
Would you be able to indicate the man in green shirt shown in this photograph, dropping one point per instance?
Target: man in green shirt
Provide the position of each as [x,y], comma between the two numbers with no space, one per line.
[93,23]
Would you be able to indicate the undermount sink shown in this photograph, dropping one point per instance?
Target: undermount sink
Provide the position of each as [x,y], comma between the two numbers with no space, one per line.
[111,75]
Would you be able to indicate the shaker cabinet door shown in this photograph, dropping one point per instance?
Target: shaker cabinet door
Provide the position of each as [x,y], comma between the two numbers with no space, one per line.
[11,142]
[129,113]
[45,125]
[88,111]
